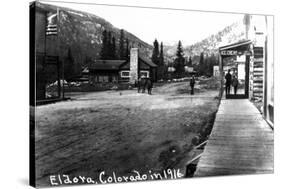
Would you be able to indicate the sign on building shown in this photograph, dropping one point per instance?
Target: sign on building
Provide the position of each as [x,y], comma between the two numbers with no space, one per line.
[133,65]
[229,52]
[216,71]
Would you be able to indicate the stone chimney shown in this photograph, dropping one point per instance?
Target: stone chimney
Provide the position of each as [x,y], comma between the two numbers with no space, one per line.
[133,65]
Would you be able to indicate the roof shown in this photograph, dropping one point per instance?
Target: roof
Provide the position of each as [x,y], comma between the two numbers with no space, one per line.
[147,61]
[116,64]
[234,45]
[106,64]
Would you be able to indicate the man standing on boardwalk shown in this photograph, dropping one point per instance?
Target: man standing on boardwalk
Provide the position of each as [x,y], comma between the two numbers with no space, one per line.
[235,84]
[228,79]
[192,83]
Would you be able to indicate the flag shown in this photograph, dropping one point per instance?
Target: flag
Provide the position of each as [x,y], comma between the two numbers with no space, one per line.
[52,26]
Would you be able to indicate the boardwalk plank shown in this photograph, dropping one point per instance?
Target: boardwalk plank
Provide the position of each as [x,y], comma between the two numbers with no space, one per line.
[241,142]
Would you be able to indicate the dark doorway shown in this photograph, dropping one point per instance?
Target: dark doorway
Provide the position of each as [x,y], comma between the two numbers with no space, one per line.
[239,70]
[235,59]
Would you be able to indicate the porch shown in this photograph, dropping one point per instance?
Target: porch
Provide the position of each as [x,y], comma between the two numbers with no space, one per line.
[241,142]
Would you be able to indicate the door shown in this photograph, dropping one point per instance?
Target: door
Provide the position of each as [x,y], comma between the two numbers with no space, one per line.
[238,66]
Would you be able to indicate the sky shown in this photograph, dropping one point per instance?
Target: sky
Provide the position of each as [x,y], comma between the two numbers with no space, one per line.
[168,26]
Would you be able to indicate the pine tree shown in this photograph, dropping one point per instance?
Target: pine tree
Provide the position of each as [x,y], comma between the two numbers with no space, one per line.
[179,61]
[69,69]
[113,49]
[127,56]
[207,65]
[104,49]
[213,62]
[155,53]
[161,55]
[161,68]
[201,68]
[189,62]
[121,52]
[109,46]
[214,59]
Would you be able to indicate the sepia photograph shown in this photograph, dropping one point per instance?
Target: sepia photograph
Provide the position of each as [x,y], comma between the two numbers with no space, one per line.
[122,93]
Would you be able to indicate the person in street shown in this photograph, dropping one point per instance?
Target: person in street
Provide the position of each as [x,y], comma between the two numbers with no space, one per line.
[228,79]
[192,83]
[235,84]
[139,84]
[143,83]
[149,85]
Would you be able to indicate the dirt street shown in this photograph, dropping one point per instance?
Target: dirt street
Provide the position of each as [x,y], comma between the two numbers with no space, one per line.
[120,131]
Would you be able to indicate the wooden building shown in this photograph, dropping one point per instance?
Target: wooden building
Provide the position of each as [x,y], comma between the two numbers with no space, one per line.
[253,57]
[115,71]
[146,68]
[104,71]
[45,66]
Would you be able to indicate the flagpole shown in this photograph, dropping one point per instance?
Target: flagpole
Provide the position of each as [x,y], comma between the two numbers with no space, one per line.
[45,53]
[58,46]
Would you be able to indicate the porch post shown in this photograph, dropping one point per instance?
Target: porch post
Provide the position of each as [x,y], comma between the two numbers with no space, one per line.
[221,74]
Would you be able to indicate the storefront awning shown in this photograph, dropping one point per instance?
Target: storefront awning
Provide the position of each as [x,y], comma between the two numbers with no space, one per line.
[235,45]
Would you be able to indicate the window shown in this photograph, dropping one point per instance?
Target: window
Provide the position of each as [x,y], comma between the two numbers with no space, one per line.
[105,78]
[144,73]
[102,78]
[125,74]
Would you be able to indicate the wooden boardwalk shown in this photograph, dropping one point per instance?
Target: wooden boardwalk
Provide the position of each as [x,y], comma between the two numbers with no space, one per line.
[241,142]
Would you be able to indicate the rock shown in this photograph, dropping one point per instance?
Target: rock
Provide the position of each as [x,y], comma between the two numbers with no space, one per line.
[195,140]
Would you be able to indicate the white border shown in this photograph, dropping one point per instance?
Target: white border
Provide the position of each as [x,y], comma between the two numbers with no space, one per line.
[14,95]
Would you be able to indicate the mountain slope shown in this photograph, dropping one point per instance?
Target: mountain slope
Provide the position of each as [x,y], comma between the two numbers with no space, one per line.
[230,34]
[82,33]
